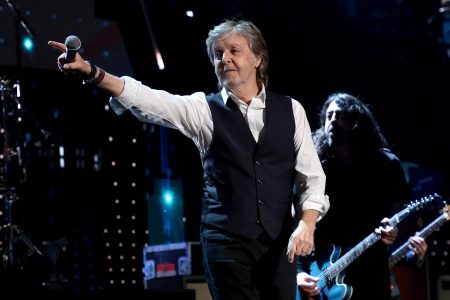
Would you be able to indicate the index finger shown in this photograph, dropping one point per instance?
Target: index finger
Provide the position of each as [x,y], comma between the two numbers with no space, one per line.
[291,255]
[385,221]
[56,45]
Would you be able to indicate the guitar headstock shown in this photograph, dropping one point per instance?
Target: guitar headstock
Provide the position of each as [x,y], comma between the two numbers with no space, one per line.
[430,202]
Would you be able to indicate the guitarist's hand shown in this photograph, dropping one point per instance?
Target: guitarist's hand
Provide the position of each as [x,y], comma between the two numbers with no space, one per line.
[301,241]
[388,233]
[419,246]
[308,285]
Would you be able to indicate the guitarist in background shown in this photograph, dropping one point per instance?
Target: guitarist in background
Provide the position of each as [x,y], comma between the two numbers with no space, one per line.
[363,175]
[407,276]
[416,256]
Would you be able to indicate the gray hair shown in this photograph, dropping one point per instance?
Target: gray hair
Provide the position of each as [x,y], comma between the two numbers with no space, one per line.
[254,39]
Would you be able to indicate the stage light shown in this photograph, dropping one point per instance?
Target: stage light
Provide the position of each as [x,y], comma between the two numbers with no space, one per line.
[165,212]
[168,197]
[28,44]
[190,13]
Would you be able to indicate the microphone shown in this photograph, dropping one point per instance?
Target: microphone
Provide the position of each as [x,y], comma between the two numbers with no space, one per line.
[72,43]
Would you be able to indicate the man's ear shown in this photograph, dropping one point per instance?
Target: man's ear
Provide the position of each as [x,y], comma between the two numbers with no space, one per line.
[257,62]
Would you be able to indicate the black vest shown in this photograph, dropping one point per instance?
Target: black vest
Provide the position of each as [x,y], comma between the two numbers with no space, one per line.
[248,185]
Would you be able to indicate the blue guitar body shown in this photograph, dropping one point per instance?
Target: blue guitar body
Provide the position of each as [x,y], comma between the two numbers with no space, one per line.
[330,267]
[335,289]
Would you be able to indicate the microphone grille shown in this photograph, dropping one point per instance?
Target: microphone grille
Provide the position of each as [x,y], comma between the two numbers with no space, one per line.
[73,42]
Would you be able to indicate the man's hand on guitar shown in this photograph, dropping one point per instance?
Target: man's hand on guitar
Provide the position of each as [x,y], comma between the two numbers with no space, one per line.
[419,246]
[308,285]
[387,232]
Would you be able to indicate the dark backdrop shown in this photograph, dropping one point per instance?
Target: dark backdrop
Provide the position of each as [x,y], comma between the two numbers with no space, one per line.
[392,54]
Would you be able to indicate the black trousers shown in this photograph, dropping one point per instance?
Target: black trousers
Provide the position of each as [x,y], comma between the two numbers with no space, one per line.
[241,269]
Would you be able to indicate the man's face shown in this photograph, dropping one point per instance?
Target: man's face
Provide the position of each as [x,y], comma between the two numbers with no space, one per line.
[336,125]
[235,64]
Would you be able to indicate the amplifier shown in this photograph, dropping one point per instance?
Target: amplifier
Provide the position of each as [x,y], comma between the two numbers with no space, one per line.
[166,264]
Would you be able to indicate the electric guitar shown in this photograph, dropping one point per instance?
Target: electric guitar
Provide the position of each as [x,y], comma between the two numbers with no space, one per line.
[401,251]
[330,268]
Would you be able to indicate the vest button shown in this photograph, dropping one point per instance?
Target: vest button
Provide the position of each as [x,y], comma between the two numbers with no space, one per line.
[259,181]
[260,202]
[257,162]
[257,221]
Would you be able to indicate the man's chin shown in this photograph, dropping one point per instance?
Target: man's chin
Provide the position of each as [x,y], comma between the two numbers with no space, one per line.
[229,85]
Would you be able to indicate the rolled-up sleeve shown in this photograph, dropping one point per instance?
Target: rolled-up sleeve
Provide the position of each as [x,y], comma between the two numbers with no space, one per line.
[310,180]
[127,98]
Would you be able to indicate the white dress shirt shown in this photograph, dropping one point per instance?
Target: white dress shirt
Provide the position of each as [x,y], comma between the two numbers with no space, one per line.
[190,114]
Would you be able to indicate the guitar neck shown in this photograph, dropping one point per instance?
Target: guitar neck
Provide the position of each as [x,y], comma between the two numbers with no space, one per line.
[330,269]
[401,251]
[345,260]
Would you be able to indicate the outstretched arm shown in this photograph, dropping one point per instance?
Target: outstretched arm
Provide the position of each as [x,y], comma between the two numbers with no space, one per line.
[111,84]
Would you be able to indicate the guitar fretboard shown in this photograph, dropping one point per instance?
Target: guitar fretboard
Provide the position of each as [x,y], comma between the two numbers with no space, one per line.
[401,251]
[327,270]
[344,261]
[349,257]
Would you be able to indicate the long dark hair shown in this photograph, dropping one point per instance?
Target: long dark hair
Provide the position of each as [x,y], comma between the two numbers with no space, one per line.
[365,133]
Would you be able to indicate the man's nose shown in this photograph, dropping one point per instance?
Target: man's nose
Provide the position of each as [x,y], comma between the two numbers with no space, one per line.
[225,57]
[333,118]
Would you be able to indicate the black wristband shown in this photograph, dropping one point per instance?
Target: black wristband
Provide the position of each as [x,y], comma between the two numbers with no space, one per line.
[100,77]
[92,73]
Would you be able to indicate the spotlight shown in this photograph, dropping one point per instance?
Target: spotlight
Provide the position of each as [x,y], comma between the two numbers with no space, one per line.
[28,44]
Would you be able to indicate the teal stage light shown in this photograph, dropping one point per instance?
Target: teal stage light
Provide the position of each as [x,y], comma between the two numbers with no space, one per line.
[28,44]
[168,197]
